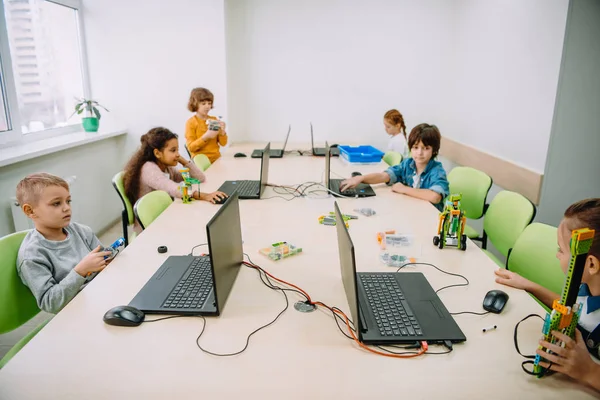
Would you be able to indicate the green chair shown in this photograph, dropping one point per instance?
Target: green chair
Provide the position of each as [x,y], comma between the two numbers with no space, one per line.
[149,207]
[392,158]
[202,161]
[474,186]
[504,221]
[17,304]
[534,257]
[127,216]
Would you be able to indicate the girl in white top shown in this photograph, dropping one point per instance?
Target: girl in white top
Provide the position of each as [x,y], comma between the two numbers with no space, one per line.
[395,127]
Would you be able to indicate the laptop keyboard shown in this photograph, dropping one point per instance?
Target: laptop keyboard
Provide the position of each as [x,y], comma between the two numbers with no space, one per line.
[393,315]
[335,186]
[193,288]
[247,188]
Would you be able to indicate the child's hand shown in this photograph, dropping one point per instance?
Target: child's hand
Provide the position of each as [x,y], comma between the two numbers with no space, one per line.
[512,279]
[398,188]
[93,262]
[573,360]
[182,161]
[351,183]
[213,197]
[210,135]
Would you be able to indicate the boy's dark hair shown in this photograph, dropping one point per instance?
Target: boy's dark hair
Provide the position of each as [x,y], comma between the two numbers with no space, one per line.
[585,214]
[429,135]
[396,118]
[156,138]
[197,96]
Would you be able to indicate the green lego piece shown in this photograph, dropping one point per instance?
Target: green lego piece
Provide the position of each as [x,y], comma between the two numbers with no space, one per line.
[451,225]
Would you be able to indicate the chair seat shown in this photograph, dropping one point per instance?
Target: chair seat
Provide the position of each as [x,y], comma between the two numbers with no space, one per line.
[494,258]
[471,233]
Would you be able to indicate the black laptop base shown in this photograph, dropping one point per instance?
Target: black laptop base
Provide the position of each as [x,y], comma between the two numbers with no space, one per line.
[320,152]
[276,153]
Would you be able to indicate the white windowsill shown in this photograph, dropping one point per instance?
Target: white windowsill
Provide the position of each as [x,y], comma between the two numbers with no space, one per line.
[13,154]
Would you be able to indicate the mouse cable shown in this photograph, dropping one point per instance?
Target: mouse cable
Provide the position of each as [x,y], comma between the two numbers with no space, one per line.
[530,358]
[198,245]
[441,270]
[344,317]
[469,312]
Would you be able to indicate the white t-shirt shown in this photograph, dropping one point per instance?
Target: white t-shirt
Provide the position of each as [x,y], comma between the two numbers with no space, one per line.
[398,144]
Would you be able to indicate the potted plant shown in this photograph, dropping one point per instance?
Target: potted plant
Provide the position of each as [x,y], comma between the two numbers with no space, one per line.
[92,119]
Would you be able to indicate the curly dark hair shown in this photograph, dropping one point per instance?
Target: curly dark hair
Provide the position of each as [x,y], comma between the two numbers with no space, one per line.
[156,138]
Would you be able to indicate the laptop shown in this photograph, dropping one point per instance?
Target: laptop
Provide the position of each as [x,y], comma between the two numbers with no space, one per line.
[274,153]
[198,285]
[392,307]
[320,151]
[250,189]
[362,190]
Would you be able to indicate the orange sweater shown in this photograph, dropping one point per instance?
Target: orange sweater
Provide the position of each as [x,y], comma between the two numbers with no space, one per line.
[194,129]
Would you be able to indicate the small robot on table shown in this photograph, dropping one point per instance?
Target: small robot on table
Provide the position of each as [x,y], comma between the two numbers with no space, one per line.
[451,226]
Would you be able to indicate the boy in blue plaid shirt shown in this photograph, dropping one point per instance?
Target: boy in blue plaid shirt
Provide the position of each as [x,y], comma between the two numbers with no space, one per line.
[419,176]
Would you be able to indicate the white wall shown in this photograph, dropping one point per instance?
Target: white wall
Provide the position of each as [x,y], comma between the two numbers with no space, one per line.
[145,56]
[339,64]
[485,72]
[505,64]
[95,202]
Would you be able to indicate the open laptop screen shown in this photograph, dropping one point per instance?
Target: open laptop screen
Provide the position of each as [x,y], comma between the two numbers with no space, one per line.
[347,265]
[225,245]
[264,168]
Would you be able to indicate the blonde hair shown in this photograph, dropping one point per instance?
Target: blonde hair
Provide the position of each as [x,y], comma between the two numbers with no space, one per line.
[30,188]
[197,96]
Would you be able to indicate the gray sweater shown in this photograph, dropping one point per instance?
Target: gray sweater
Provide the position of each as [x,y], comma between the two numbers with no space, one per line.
[46,266]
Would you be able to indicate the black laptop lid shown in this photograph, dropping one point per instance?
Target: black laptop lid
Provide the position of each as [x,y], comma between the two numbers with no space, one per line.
[348,267]
[287,137]
[264,168]
[327,165]
[225,247]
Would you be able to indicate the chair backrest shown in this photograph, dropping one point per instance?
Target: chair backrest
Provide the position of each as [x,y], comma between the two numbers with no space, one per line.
[188,150]
[506,218]
[17,304]
[150,206]
[534,257]
[117,182]
[202,161]
[392,158]
[474,186]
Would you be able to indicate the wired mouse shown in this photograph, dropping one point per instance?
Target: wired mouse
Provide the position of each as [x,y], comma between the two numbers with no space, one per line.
[494,301]
[236,155]
[124,316]
[356,173]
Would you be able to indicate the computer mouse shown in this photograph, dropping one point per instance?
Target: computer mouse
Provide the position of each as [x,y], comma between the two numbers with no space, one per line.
[239,155]
[124,316]
[494,301]
[334,146]
[356,173]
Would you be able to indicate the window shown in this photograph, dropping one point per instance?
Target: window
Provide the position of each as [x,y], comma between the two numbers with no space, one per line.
[47,73]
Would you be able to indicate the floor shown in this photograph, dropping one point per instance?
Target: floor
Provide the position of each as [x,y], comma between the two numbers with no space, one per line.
[8,340]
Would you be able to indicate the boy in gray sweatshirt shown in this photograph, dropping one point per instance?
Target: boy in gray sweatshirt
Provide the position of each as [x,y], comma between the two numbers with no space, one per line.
[58,257]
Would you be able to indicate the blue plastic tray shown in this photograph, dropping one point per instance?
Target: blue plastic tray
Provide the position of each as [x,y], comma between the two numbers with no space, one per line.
[361,154]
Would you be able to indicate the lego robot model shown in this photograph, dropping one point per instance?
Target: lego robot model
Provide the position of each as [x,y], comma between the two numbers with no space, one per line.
[565,311]
[451,225]
[186,185]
